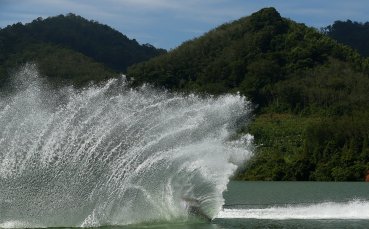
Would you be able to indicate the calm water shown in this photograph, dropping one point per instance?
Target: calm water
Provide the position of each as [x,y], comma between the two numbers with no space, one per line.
[288,205]
[296,205]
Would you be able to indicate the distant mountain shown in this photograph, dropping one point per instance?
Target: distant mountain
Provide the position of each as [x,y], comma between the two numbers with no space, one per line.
[350,33]
[249,55]
[96,42]
[312,114]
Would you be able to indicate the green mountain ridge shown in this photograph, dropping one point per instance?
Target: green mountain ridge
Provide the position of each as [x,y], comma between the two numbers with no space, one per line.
[245,55]
[70,48]
[311,93]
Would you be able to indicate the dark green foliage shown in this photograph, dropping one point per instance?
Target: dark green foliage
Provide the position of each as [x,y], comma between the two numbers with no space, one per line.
[293,147]
[351,33]
[337,148]
[249,55]
[59,64]
[69,49]
[312,93]
[220,60]
[334,88]
[97,41]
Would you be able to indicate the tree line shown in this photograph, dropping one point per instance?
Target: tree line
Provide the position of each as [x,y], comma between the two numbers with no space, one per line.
[70,48]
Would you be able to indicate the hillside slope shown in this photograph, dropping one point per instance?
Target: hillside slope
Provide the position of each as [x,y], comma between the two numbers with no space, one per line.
[70,47]
[311,93]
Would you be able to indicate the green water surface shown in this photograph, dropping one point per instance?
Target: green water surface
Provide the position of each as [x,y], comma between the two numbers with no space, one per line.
[264,195]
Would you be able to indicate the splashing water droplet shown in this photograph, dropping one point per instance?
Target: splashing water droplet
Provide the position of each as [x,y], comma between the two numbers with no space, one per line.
[111,155]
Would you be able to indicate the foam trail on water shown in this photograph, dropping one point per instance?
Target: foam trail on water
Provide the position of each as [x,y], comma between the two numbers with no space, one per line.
[355,209]
[111,155]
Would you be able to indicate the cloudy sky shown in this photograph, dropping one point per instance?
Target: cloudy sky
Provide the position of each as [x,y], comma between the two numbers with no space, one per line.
[167,23]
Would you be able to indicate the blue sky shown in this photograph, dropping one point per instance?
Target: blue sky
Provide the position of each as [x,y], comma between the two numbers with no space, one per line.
[167,23]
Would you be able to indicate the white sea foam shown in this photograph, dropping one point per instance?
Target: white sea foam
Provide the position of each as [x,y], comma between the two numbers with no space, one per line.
[19,224]
[355,209]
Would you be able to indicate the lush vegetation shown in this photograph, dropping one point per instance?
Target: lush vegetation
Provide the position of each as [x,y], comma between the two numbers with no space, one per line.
[69,48]
[311,93]
[59,64]
[294,147]
[351,33]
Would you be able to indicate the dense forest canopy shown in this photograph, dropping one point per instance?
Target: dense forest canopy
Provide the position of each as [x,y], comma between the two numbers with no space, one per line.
[312,93]
[85,49]
[354,34]
[249,55]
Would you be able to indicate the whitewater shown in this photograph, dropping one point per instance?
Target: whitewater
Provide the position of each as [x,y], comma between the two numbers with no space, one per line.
[113,155]
[349,210]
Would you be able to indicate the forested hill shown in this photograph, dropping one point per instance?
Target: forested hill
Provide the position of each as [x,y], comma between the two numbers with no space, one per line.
[70,47]
[312,115]
[248,55]
[351,33]
[100,42]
